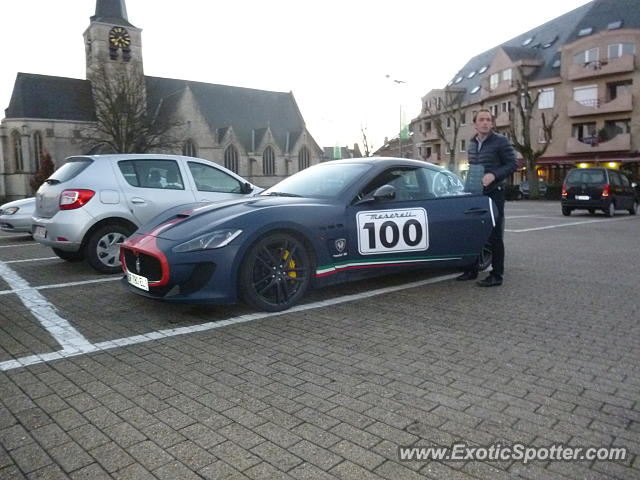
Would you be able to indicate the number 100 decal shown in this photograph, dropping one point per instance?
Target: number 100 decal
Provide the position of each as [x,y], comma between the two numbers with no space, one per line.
[390,231]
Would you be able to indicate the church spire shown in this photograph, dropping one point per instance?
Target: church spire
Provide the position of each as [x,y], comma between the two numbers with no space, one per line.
[111,11]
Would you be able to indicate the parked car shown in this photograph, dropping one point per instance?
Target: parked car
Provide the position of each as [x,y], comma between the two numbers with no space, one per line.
[333,222]
[524,188]
[598,189]
[16,216]
[90,204]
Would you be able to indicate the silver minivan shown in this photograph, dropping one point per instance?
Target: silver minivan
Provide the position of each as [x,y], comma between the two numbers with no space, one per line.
[91,203]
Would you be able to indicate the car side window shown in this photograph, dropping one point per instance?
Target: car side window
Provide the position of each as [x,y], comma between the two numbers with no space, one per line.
[210,179]
[625,181]
[406,182]
[615,179]
[162,174]
[442,183]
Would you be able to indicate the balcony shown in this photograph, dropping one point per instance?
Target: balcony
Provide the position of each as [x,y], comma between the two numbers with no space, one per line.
[503,119]
[502,88]
[620,142]
[625,63]
[622,103]
[431,135]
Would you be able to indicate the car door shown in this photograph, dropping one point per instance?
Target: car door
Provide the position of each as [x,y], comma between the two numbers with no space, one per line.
[429,221]
[211,184]
[152,186]
[625,194]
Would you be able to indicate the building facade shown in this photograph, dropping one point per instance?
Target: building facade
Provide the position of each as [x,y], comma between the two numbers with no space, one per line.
[581,66]
[259,134]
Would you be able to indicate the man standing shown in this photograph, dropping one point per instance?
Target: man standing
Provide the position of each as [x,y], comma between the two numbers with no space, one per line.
[495,153]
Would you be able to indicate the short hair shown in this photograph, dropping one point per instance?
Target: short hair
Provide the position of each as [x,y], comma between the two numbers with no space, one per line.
[475,115]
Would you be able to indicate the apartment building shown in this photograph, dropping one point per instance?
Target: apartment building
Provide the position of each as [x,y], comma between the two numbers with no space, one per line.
[582,66]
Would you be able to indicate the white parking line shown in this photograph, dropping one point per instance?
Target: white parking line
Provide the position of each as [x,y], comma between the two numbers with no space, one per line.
[522,230]
[172,332]
[32,260]
[528,216]
[59,328]
[60,285]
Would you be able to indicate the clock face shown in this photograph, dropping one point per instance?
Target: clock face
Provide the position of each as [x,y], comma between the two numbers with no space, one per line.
[118,37]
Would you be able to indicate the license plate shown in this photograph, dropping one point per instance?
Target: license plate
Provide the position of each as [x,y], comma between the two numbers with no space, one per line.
[583,197]
[40,232]
[138,281]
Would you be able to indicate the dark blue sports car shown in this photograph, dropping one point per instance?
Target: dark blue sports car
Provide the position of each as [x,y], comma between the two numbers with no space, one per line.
[330,223]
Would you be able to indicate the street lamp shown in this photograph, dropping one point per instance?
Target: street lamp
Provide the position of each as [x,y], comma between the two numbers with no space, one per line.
[400,132]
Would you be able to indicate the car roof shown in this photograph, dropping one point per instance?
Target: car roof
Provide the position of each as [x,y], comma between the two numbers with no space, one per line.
[384,161]
[134,156]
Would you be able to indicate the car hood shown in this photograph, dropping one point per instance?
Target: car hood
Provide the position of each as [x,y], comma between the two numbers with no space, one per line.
[24,202]
[194,219]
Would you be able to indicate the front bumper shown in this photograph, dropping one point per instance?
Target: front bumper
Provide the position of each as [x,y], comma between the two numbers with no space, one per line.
[206,276]
[11,223]
[65,230]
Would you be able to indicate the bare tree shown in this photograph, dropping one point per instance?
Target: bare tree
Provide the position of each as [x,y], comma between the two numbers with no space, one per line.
[447,114]
[365,142]
[124,123]
[521,125]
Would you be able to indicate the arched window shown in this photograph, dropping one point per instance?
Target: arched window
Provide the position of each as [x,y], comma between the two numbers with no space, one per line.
[16,142]
[268,162]
[231,158]
[303,158]
[37,149]
[189,149]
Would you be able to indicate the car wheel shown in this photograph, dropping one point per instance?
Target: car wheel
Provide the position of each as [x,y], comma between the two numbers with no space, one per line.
[611,211]
[102,249]
[276,273]
[592,211]
[485,259]
[566,211]
[69,256]
[634,208]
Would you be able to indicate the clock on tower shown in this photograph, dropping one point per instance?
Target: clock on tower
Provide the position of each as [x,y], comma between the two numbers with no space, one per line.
[119,39]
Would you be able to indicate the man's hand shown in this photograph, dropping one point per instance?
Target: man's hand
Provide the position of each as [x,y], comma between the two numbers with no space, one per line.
[488,179]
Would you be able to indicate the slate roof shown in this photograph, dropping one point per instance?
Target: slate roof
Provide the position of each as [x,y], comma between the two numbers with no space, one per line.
[547,39]
[46,97]
[245,109]
[111,11]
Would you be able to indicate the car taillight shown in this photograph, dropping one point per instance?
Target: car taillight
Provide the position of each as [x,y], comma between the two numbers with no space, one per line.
[564,190]
[71,199]
[606,190]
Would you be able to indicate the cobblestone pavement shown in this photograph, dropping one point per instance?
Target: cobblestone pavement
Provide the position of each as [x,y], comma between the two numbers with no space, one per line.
[552,356]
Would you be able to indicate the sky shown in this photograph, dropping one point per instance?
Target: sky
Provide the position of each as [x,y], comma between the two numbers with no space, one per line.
[339,58]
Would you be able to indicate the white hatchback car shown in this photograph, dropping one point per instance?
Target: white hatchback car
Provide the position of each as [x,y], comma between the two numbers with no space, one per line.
[90,204]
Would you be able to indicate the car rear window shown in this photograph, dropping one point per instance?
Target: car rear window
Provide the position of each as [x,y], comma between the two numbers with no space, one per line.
[586,177]
[71,169]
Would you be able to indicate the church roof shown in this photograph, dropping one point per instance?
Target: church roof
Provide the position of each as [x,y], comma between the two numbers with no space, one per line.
[245,109]
[46,97]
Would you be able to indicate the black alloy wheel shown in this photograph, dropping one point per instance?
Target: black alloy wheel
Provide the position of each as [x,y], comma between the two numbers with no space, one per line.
[275,273]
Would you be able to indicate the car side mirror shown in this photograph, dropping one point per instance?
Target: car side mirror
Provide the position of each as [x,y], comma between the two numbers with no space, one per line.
[385,192]
[246,188]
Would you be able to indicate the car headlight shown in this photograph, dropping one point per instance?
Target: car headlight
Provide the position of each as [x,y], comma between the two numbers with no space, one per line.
[10,210]
[217,239]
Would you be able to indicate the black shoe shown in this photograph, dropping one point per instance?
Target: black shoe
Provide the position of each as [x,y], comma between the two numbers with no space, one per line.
[490,281]
[467,276]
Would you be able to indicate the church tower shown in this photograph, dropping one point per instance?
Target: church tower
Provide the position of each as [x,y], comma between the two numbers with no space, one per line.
[111,42]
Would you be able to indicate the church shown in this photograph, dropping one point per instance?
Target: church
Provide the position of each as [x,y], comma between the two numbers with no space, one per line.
[258,134]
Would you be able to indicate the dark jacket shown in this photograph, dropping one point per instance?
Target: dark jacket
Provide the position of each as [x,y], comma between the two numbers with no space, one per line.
[497,156]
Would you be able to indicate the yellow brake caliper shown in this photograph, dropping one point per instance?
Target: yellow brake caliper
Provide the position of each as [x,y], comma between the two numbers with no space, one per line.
[291,264]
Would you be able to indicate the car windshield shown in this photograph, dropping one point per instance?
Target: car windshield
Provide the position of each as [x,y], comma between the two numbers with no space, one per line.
[586,177]
[321,181]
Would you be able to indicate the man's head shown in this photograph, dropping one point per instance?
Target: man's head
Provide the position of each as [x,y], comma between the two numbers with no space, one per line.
[483,121]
